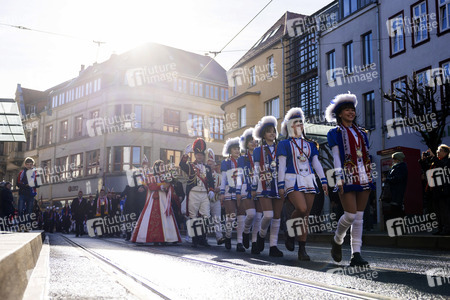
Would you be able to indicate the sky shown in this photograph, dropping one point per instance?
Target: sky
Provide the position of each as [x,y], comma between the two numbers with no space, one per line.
[38,60]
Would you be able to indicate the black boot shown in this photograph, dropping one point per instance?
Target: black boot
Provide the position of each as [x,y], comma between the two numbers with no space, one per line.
[221,241]
[246,240]
[195,242]
[240,247]
[255,248]
[357,260]
[289,242]
[336,251]
[275,252]
[204,241]
[228,243]
[302,255]
[260,243]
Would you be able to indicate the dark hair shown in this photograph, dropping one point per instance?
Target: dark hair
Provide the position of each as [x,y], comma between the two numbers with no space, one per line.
[29,160]
[341,108]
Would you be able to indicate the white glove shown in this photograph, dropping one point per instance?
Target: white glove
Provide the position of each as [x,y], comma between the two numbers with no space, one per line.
[211,195]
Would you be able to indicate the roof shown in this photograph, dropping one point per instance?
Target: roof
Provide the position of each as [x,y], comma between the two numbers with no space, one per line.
[159,57]
[269,38]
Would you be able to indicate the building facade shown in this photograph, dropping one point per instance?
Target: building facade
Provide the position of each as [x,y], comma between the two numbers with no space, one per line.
[151,101]
[257,80]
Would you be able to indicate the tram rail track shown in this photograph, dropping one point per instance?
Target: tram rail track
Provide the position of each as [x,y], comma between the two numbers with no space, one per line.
[329,289]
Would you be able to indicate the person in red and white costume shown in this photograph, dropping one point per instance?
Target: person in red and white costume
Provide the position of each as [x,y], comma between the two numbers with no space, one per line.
[156,223]
[215,203]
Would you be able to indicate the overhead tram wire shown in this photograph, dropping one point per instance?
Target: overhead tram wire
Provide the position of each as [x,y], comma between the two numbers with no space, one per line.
[98,43]
[220,51]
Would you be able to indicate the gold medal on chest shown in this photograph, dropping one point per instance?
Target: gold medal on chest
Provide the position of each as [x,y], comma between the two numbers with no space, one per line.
[302,158]
[273,164]
[359,153]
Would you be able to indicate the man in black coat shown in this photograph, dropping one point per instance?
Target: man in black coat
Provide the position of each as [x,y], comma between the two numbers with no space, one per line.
[78,209]
[6,203]
[134,203]
[397,180]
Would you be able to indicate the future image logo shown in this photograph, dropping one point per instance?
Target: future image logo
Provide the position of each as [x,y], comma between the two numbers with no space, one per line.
[99,126]
[438,276]
[340,76]
[438,176]
[111,225]
[398,126]
[410,225]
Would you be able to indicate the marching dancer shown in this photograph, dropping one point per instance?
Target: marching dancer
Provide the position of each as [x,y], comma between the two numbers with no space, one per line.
[156,223]
[215,203]
[297,156]
[266,170]
[251,204]
[199,187]
[228,191]
[352,165]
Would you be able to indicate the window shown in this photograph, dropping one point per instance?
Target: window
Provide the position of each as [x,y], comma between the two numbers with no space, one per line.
[397,87]
[272,107]
[270,65]
[94,114]
[234,87]
[76,165]
[109,160]
[252,76]
[93,162]
[369,106]
[349,7]
[242,116]
[171,120]
[367,49]
[63,134]
[62,167]
[207,91]
[138,115]
[423,78]
[28,143]
[195,125]
[117,110]
[444,15]
[34,138]
[396,34]
[216,93]
[125,157]
[78,130]
[216,128]
[445,77]
[419,23]
[331,60]
[191,88]
[200,89]
[349,57]
[171,156]
[46,166]
[48,135]
[306,95]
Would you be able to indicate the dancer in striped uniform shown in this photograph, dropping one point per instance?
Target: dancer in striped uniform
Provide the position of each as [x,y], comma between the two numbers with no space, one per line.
[297,156]
[352,173]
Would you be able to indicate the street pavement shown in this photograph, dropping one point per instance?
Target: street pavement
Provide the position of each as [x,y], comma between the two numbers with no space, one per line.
[78,271]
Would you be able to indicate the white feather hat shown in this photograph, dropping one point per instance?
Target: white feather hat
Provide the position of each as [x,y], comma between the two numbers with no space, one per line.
[248,133]
[211,155]
[292,115]
[265,121]
[231,142]
[338,101]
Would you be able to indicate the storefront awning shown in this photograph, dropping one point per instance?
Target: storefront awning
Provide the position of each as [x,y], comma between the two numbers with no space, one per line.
[11,129]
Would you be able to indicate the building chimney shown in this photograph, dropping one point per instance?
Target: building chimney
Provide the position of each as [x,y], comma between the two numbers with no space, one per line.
[82,68]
